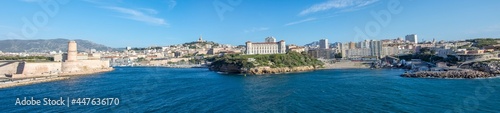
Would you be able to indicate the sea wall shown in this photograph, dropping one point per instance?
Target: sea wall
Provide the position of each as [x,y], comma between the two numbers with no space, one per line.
[88,65]
[269,70]
[345,65]
[164,62]
[84,65]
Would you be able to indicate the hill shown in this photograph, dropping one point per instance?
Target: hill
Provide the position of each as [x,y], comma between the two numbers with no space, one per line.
[47,45]
[264,64]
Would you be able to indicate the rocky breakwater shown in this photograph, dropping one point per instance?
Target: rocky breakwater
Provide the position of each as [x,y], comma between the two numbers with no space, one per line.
[483,69]
[449,74]
[235,69]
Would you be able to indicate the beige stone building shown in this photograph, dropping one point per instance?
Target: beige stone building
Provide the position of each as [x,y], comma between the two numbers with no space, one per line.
[270,46]
[71,66]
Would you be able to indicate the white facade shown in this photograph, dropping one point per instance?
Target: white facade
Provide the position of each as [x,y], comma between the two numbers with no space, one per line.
[364,44]
[387,51]
[267,47]
[358,53]
[376,48]
[343,49]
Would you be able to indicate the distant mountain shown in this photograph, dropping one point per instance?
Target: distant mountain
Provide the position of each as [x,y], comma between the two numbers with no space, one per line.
[47,45]
[312,44]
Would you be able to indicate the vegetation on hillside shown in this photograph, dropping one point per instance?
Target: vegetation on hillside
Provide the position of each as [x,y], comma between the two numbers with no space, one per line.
[291,59]
[194,45]
[482,42]
[28,58]
[428,55]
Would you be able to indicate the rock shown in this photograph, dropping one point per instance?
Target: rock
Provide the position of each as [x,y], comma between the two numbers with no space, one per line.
[449,74]
[492,67]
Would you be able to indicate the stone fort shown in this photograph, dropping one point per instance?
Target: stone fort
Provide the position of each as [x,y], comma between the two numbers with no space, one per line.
[70,66]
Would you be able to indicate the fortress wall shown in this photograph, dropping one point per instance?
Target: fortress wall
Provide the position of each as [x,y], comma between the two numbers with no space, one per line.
[8,68]
[158,62]
[86,65]
[70,67]
[30,70]
[39,69]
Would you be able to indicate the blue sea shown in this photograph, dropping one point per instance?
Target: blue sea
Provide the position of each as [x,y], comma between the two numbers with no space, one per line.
[156,89]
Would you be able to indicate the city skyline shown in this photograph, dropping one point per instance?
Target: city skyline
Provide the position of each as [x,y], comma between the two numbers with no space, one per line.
[160,23]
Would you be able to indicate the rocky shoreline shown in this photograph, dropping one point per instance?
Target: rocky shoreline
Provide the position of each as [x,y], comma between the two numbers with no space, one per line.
[234,69]
[449,74]
[469,71]
[268,70]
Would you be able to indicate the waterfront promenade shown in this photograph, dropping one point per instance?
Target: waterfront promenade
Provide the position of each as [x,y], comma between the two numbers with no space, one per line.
[346,65]
[6,82]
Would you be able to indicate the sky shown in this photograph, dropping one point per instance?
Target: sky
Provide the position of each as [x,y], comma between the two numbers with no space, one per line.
[139,23]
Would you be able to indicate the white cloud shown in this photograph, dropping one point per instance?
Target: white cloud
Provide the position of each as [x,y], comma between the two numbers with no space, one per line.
[301,21]
[139,16]
[336,4]
[150,11]
[256,29]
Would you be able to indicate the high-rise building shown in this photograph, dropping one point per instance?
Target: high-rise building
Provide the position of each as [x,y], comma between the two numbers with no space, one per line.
[352,45]
[358,53]
[323,44]
[412,38]
[343,48]
[321,53]
[364,44]
[376,48]
[268,47]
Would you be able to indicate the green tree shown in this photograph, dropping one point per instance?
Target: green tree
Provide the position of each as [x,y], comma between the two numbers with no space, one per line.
[338,55]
